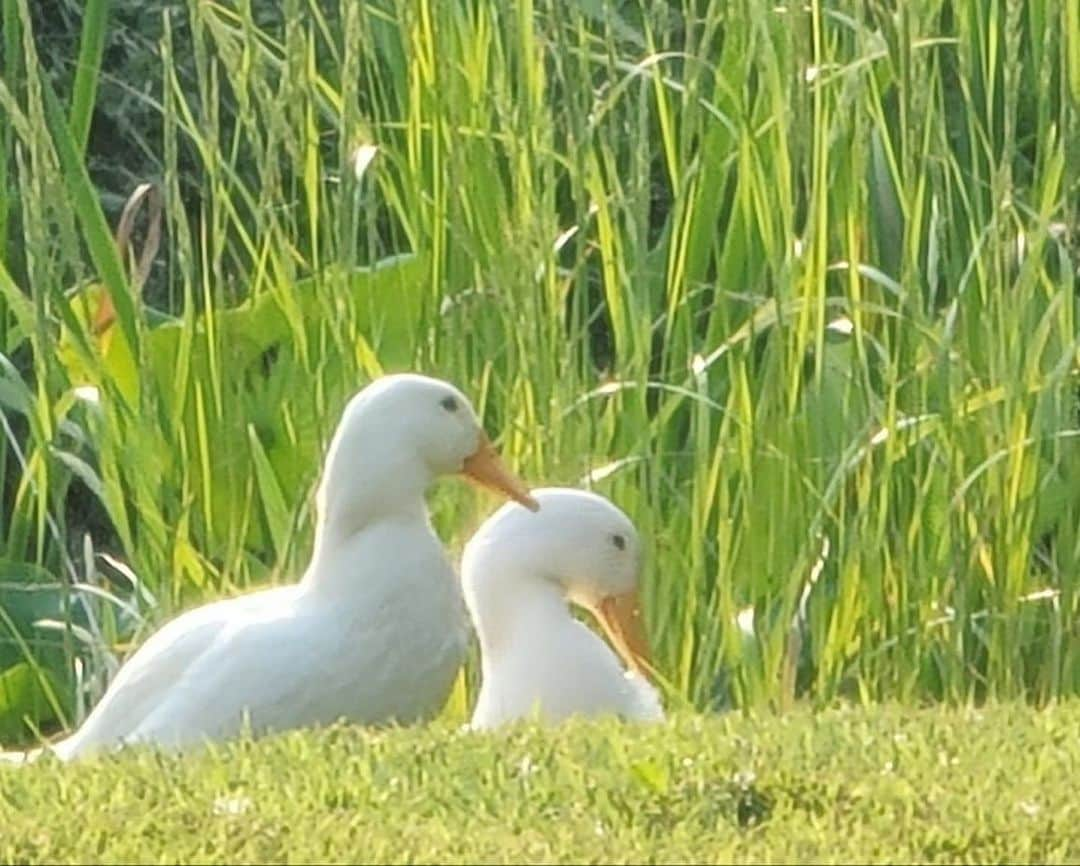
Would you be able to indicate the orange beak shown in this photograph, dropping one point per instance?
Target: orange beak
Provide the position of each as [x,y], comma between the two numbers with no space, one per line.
[620,615]
[485,467]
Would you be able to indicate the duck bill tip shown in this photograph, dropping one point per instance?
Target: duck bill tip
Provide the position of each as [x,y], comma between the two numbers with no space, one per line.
[485,468]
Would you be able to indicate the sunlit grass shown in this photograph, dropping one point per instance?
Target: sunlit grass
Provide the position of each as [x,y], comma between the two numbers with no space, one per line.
[885,784]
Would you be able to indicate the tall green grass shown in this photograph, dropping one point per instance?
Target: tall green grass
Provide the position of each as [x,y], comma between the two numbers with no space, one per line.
[794,284]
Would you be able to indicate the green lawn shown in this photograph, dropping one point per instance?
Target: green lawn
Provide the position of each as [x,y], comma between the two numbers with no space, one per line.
[887,784]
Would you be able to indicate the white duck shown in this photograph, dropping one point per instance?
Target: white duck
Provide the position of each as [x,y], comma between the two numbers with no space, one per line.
[374,632]
[518,572]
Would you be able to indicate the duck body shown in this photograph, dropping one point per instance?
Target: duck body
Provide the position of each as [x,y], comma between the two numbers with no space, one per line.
[296,656]
[554,667]
[374,632]
[520,572]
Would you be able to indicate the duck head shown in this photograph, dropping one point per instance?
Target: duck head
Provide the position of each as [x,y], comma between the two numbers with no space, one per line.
[398,435]
[577,540]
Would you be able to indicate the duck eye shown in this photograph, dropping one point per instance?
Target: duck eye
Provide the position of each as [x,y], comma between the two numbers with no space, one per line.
[618,541]
[450,404]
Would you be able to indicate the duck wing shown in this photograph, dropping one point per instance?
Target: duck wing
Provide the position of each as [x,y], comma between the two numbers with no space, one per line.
[145,680]
[262,670]
[305,666]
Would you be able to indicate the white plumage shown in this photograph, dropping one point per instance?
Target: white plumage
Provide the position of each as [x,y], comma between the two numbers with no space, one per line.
[374,632]
[519,571]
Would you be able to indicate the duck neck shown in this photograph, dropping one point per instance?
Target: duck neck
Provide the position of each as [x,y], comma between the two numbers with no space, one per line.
[358,492]
[511,607]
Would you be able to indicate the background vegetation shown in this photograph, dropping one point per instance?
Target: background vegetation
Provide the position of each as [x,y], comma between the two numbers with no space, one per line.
[794,284]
